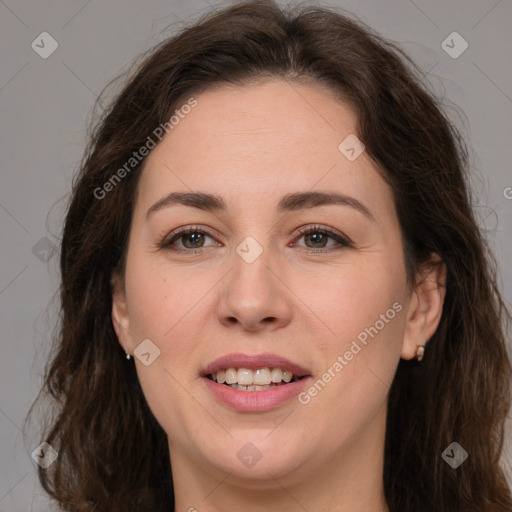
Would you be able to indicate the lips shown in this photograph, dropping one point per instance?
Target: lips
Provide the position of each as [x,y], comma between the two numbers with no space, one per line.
[255,398]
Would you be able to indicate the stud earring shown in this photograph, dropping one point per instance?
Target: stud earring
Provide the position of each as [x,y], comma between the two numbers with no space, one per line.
[420,351]
[128,356]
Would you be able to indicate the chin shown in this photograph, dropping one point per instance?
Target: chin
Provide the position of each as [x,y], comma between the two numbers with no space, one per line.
[256,462]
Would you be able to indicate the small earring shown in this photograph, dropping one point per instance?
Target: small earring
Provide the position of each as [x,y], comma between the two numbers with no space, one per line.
[128,356]
[420,352]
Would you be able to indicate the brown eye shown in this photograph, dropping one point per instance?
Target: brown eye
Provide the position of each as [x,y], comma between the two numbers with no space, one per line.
[317,238]
[188,238]
[195,238]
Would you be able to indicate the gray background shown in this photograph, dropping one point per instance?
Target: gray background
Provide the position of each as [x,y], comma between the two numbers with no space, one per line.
[44,106]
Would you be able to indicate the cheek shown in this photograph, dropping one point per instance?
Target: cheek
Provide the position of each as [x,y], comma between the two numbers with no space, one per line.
[159,300]
[167,305]
[162,307]
[370,322]
[363,307]
[351,298]
[358,363]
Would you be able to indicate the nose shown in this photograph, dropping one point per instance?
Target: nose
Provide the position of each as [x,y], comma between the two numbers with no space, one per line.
[255,295]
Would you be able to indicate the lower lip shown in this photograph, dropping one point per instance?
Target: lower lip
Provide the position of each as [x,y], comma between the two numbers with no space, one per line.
[256,401]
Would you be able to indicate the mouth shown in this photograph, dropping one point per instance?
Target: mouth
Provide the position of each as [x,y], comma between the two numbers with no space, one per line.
[254,383]
[261,379]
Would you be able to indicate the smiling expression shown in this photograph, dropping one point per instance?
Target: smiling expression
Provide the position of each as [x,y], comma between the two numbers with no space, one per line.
[256,170]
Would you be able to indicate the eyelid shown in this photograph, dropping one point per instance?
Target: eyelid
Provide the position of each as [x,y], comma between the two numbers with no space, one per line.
[176,233]
[341,239]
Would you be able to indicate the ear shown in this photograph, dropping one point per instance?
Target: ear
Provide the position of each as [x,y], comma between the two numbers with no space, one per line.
[425,306]
[120,317]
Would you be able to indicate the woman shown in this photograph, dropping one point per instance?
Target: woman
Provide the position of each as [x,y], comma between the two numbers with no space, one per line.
[274,294]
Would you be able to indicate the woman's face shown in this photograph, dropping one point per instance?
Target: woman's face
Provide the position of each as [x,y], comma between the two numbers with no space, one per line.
[248,290]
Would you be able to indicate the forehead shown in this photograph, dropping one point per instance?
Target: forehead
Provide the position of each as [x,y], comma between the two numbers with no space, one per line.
[273,115]
[260,140]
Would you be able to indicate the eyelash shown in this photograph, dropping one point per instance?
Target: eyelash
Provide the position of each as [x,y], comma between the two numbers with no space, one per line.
[343,241]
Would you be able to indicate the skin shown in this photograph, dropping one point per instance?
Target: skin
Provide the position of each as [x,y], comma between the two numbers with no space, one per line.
[253,144]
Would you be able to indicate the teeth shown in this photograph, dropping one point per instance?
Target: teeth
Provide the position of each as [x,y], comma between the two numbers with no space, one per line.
[231,376]
[277,375]
[245,377]
[249,380]
[262,377]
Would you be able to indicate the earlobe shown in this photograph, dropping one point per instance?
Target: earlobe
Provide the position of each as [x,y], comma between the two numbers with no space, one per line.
[119,314]
[425,307]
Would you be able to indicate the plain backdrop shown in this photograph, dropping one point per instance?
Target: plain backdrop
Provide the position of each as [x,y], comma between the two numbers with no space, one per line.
[45,104]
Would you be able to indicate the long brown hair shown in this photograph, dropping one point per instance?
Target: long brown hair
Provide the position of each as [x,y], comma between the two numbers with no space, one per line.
[113,454]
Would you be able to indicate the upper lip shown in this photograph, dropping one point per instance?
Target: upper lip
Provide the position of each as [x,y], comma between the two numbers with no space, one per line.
[255,362]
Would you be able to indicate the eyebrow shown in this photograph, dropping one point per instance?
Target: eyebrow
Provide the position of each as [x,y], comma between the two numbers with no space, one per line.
[288,203]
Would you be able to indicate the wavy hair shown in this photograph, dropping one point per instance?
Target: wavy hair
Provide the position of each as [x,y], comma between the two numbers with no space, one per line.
[113,454]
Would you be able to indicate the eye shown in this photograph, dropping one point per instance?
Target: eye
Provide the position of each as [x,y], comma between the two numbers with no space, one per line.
[318,237]
[191,239]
